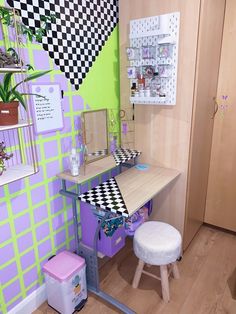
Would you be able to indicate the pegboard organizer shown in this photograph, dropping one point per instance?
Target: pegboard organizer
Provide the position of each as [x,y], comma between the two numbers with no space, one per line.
[161,34]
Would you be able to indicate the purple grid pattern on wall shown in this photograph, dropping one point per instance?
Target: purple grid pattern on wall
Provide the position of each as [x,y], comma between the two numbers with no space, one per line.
[40,213]
[56,205]
[50,149]
[38,195]
[22,223]
[24,242]
[27,259]
[13,304]
[30,276]
[42,231]
[3,211]
[54,187]
[16,186]
[58,222]
[44,248]
[11,291]
[52,168]
[19,203]
[5,233]
[78,103]
[6,253]
[60,237]
[37,178]
[8,272]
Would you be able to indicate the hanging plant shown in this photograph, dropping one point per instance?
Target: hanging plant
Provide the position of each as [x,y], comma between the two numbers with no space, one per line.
[7,18]
[3,156]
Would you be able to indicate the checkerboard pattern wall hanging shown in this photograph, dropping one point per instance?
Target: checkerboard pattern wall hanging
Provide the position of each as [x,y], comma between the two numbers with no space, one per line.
[106,196]
[81,30]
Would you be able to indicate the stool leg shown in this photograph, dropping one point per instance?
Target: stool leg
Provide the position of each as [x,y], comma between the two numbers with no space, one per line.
[165,283]
[175,270]
[138,273]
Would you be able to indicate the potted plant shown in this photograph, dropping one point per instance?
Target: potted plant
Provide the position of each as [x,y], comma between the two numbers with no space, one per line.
[3,156]
[7,17]
[10,97]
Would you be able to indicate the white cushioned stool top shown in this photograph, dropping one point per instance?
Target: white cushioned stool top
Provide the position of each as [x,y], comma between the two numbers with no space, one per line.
[157,243]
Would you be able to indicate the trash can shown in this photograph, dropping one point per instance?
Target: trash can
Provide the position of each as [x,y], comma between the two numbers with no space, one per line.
[65,276]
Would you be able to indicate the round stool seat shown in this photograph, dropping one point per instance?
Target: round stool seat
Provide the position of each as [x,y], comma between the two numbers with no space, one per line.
[157,243]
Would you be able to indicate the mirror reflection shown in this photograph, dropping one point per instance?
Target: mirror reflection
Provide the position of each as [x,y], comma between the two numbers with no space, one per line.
[95,134]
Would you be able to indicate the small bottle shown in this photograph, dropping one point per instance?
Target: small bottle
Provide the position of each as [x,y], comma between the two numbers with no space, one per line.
[141,82]
[133,89]
[155,85]
[74,162]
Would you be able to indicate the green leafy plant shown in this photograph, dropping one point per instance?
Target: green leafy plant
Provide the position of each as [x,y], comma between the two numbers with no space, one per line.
[9,93]
[3,156]
[7,17]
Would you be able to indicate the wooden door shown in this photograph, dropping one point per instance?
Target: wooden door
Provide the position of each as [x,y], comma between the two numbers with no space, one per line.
[221,195]
[207,68]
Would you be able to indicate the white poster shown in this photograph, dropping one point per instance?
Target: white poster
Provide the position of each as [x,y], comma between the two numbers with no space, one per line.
[47,110]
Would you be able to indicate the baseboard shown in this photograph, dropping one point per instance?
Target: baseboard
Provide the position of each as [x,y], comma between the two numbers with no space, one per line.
[31,303]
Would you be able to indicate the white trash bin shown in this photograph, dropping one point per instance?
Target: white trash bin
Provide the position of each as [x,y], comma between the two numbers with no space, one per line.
[65,276]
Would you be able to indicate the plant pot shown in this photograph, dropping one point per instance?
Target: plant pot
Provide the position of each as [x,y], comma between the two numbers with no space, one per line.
[9,113]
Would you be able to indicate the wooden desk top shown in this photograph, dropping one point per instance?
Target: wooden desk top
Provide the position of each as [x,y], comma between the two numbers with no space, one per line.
[91,170]
[138,187]
[130,190]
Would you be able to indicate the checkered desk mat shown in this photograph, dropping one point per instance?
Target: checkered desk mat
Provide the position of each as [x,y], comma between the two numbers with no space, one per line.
[98,153]
[121,155]
[106,196]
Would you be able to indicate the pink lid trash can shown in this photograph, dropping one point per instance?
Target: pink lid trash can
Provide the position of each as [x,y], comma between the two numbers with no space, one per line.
[65,276]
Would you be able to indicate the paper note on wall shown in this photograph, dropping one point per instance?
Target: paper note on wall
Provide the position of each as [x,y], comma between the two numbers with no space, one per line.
[46,110]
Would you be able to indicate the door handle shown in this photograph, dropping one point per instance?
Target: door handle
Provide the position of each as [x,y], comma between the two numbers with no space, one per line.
[216,107]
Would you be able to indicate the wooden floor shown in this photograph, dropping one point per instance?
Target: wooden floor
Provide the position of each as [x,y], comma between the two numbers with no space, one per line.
[207,277]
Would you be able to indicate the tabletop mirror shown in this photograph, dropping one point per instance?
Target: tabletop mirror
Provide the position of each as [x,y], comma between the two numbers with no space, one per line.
[95,135]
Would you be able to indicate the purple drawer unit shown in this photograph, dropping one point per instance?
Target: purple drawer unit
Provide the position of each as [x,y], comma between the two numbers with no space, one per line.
[108,246]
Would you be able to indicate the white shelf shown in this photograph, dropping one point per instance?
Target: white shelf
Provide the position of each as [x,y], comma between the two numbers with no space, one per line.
[21,124]
[152,33]
[13,70]
[150,100]
[15,173]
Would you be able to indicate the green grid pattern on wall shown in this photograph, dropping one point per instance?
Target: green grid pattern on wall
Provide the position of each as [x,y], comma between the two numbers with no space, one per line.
[35,221]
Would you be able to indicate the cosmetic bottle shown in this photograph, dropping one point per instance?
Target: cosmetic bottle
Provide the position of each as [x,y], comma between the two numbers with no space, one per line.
[133,89]
[74,162]
[141,82]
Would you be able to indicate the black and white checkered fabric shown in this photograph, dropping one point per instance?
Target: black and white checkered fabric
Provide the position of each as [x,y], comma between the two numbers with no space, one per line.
[122,155]
[102,152]
[106,196]
[81,30]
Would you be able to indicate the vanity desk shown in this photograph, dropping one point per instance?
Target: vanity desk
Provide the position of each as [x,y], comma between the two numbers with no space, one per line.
[123,195]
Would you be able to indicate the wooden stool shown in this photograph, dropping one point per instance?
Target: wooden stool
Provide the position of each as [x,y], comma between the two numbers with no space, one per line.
[157,243]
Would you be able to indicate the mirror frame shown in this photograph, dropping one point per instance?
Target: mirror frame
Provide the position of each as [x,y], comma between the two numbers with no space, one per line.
[84,134]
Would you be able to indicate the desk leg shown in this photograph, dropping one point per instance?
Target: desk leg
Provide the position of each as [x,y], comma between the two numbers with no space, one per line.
[90,255]
[74,198]
[76,225]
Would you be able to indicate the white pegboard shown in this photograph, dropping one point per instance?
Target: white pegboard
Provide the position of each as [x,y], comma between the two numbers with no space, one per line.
[154,31]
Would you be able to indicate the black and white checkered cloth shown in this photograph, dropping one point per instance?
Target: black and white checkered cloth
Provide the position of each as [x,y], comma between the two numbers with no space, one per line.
[122,155]
[102,152]
[106,196]
[81,30]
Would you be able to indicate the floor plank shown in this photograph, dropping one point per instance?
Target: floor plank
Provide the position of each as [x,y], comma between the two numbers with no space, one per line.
[203,287]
